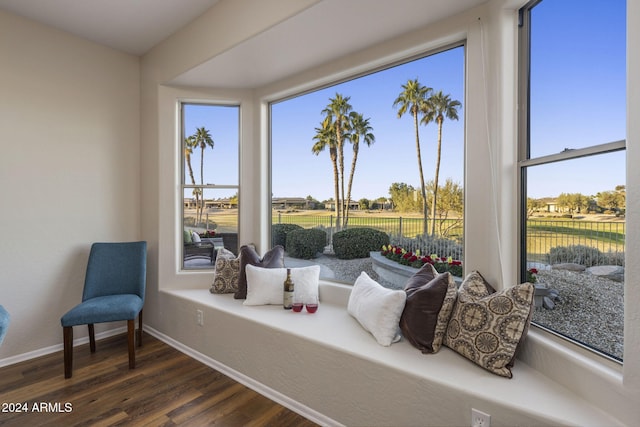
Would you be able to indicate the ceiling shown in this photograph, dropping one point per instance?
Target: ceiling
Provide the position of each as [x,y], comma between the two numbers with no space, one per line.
[299,43]
[131,26]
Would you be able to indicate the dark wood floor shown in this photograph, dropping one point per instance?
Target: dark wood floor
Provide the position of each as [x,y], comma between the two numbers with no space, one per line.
[167,388]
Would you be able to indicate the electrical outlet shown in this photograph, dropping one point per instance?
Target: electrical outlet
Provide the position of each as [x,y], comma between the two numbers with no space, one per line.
[480,419]
[200,317]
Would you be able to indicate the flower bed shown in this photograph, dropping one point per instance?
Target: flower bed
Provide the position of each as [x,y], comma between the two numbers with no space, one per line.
[417,260]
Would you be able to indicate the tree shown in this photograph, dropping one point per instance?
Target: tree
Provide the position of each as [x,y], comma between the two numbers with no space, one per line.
[364,204]
[533,205]
[202,138]
[611,200]
[337,118]
[359,128]
[325,137]
[412,99]
[450,207]
[437,108]
[189,145]
[572,201]
[404,197]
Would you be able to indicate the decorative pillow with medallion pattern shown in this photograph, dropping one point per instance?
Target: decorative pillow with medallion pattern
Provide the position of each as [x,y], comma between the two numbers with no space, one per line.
[487,327]
[226,273]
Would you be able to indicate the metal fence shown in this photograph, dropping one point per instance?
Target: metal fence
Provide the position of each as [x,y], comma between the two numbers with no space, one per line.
[547,241]
[405,232]
[583,242]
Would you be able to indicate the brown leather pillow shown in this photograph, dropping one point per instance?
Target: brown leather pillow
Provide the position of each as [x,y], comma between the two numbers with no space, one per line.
[426,313]
[274,258]
[423,276]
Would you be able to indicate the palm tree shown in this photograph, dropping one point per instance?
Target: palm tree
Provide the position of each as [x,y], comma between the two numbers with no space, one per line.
[359,128]
[413,99]
[326,137]
[337,117]
[436,109]
[189,145]
[203,140]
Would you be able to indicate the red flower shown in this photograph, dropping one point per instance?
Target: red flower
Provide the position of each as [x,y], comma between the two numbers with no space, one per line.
[456,262]
[413,258]
[533,270]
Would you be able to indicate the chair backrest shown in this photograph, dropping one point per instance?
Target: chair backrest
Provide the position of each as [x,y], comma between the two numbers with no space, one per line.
[116,268]
[4,322]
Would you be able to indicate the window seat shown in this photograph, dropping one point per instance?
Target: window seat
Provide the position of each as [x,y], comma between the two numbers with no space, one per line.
[328,363]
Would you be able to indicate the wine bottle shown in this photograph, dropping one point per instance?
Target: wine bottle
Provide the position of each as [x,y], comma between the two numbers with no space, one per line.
[287,299]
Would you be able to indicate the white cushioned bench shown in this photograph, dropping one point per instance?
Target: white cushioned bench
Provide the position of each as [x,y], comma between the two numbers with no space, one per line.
[327,367]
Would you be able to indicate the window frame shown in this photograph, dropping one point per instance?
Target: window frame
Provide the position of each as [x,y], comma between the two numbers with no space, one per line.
[184,186]
[524,160]
[458,42]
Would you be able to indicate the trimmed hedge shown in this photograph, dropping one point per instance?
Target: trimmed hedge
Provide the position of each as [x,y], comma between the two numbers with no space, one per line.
[358,242]
[579,254]
[279,233]
[305,243]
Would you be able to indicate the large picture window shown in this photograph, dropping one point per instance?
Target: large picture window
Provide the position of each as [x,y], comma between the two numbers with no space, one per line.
[572,164]
[377,160]
[210,150]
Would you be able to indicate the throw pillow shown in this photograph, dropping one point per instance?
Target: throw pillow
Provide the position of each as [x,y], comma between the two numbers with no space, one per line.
[226,273]
[274,258]
[195,237]
[376,308]
[428,308]
[187,237]
[264,285]
[487,326]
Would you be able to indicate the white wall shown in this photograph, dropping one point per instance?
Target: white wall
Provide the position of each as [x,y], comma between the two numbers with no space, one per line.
[69,171]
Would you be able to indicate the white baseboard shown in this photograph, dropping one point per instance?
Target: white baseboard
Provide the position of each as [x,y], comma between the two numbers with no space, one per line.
[249,382]
[58,347]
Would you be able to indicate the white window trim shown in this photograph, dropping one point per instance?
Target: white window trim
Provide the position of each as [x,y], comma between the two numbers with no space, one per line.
[183,185]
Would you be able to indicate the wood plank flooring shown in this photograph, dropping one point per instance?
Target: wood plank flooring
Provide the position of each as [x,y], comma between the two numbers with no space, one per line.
[167,388]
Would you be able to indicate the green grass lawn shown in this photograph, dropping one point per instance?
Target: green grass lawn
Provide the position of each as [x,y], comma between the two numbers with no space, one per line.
[542,234]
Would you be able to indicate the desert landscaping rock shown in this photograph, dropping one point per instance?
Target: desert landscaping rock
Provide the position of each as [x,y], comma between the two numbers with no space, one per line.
[612,272]
[569,266]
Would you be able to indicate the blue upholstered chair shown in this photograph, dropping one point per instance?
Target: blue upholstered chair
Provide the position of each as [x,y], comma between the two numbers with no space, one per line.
[4,323]
[114,289]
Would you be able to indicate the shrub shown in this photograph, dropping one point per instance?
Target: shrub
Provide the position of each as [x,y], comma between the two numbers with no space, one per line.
[305,243]
[279,233]
[579,254]
[428,245]
[358,242]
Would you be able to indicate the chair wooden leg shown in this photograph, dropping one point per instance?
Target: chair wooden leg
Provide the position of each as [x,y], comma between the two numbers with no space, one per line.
[140,329]
[131,327]
[68,350]
[92,338]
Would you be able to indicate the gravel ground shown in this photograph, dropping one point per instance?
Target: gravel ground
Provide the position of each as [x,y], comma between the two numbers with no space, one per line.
[349,270]
[589,308]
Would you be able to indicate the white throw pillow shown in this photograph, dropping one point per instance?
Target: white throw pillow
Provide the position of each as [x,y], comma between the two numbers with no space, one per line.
[265,285]
[377,308]
[195,237]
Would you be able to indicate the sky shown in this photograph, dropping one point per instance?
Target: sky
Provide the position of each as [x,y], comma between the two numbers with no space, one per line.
[392,157]
[578,55]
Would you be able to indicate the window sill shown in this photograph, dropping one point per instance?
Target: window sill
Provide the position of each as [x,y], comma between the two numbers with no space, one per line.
[530,395]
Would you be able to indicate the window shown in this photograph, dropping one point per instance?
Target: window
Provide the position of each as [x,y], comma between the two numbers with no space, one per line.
[572,167]
[345,157]
[210,158]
